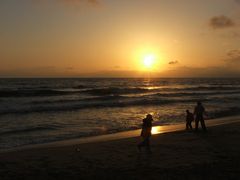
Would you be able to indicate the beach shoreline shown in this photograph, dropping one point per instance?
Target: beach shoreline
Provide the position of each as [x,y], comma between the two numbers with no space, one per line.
[121,135]
[176,155]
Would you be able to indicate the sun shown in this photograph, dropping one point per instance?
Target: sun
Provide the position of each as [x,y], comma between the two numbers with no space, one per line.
[149,61]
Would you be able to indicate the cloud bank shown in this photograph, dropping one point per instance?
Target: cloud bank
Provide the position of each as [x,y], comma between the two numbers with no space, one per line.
[221,22]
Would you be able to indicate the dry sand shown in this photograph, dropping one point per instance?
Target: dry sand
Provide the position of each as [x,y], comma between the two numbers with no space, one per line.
[176,155]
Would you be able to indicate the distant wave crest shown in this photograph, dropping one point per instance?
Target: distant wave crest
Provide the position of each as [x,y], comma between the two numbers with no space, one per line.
[44,91]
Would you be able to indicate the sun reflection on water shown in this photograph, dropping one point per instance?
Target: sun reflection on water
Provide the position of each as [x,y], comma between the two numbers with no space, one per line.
[156,130]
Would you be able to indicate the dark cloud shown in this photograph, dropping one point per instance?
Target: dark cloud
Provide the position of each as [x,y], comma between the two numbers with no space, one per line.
[234,61]
[173,62]
[221,22]
[237,1]
[234,53]
[231,35]
[69,68]
[92,2]
[117,67]
[233,58]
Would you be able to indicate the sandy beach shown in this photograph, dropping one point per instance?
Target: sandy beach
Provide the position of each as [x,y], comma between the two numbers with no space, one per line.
[175,155]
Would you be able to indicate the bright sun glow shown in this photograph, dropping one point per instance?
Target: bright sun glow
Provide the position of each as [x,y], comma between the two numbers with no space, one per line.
[149,61]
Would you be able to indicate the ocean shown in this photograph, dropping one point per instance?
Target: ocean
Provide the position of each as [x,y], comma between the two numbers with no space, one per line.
[35,111]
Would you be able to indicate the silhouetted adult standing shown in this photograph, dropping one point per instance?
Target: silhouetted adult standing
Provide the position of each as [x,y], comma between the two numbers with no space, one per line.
[189,120]
[146,133]
[198,112]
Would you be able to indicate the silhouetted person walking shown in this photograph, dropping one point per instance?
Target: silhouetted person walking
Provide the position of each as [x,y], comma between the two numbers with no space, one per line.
[198,112]
[146,133]
[189,120]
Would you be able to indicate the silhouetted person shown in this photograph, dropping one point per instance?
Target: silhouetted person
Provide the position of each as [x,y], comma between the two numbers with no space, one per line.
[198,112]
[146,133]
[189,120]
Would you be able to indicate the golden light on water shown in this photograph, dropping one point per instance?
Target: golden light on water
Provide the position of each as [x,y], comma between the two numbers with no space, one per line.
[156,130]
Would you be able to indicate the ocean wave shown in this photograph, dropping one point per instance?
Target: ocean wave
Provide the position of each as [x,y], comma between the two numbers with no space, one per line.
[127,102]
[121,91]
[28,130]
[118,101]
[83,105]
[33,93]
[221,88]
[76,100]
[134,96]
[81,87]
[109,91]
[231,111]
[44,91]
[207,93]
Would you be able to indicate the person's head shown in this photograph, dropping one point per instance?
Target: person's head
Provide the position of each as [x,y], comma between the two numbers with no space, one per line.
[149,116]
[199,103]
[187,111]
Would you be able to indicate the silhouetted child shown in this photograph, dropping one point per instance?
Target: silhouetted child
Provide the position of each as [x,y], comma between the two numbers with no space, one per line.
[198,112]
[189,120]
[146,133]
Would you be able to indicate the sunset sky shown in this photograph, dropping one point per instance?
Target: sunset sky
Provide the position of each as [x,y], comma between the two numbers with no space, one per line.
[115,38]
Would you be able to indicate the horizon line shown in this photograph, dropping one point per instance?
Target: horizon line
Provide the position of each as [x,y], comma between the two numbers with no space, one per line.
[103,77]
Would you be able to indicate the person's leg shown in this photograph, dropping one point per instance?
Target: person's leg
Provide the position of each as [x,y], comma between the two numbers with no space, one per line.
[196,124]
[148,145]
[141,144]
[190,125]
[203,124]
[147,142]
[144,143]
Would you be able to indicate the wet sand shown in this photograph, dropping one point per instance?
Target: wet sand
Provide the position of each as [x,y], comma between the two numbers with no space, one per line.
[176,155]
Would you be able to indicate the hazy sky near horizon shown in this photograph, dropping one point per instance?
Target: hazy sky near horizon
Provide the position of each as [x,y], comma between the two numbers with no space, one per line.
[112,37]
